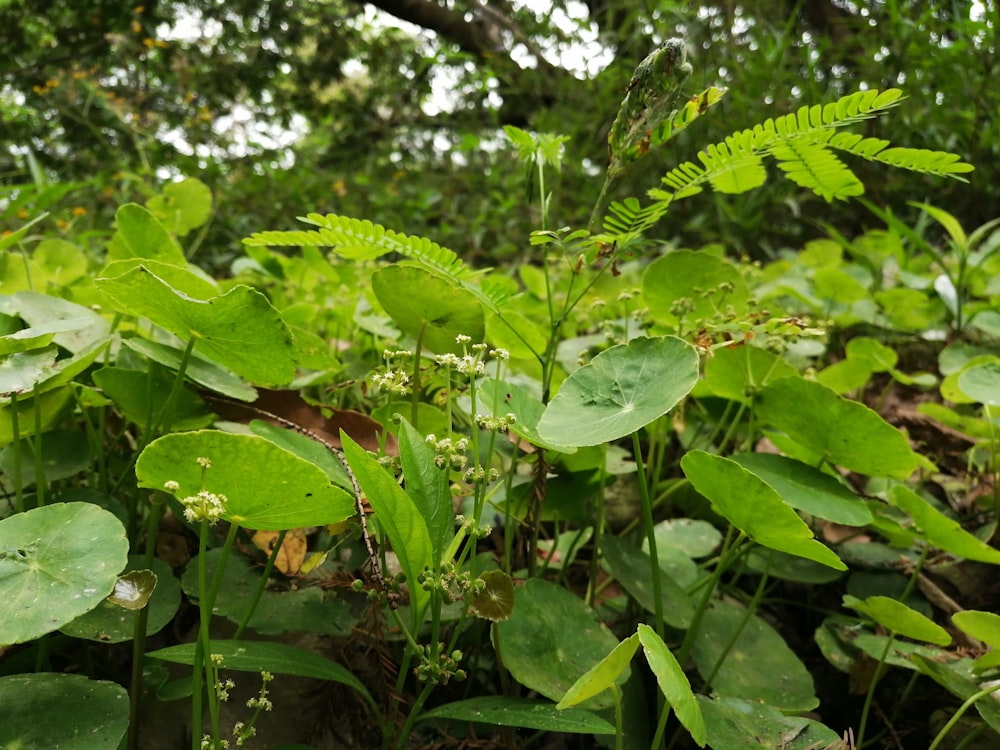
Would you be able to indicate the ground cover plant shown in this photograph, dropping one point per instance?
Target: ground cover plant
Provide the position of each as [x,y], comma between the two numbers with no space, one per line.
[362,494]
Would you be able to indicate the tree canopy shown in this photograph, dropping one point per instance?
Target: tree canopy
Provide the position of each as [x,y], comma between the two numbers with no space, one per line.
[391,110]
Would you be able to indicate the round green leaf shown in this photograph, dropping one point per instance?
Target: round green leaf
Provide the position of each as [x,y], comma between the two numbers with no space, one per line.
[752,506]
[982,383]
[759,667]
[183,206]
[502,711]
[844,432]
[56,562]
[982,625]
[737,373]
[238,330]
[141,235]
[61,711]
[748,725]
[807,488]
[688,536]
[711,284]
[110,623]
[620,391]
[497,398]
[427,307]
[20,372]
[265,487]
[631,567]
[535,645]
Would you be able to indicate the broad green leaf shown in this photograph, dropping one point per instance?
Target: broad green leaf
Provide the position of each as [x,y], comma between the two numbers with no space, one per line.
[428,308]
[807,488]
[534,641]
[868,348]
[21,372]
[61,262]
[673,683]
[278,658]
[49,408]
[631,567]
[952,391]
[185,279]
[496,398]
[750,725]
[843,432]
[61,457]
[40,336]
[36,309]
[265,486]
[753,507]
[691,537]
[110,623]
[738,373]
[48,710]
[940,530]
[984,626]
[307,609]
[703,285]
[900,619]
[239,329]
[306,448]
[502,711]
[56,562]
[609,671]
[429,487]
[141,397]
[182,206]
[620,391]
[953,678]
[141,235]
[200,370]
[981,383]
[397,515]
[759,667]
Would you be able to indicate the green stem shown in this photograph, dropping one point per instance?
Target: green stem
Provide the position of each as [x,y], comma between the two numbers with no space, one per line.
[616,694]
[39,462]
[139,628]
[970,701]
[166,413]
[647,518]
[15,428]
[661,726]
[261,585]
[415,380]
[870,695]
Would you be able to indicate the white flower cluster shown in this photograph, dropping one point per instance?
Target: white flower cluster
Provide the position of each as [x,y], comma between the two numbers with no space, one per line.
[204,506]
[448,453]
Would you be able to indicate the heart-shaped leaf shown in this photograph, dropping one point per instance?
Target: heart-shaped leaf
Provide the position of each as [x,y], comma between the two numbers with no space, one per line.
[61,710]
[620,391]
[264,486]
[843,432]
[239,329]
[56,562]
[428,308]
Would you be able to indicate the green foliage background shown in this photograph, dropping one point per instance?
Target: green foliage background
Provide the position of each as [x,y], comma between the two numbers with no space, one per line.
[116,98]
